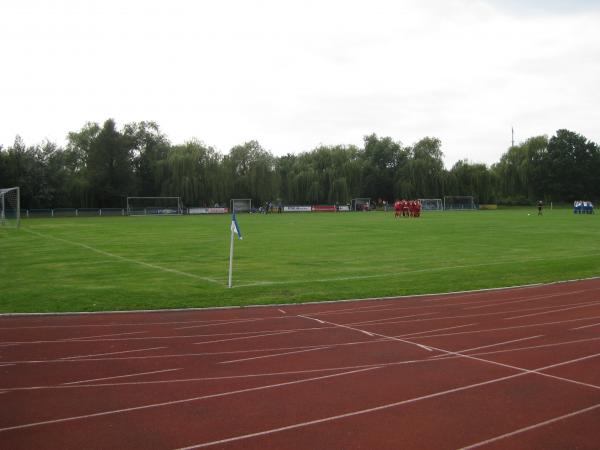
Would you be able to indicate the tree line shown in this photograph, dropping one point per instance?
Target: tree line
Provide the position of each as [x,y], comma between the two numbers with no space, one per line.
[101,165]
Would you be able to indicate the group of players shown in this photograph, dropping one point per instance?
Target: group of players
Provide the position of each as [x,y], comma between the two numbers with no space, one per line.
[407,208]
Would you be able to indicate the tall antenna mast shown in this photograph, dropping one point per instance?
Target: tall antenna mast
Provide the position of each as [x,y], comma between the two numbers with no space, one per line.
[512,130]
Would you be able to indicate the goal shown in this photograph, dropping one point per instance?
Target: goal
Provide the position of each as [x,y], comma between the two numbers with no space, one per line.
[361,204]
[154,206]
[240,205]
[431,204]
[10,207]
[459,203]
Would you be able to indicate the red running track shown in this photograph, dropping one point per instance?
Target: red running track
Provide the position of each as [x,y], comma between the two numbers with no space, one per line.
[515,368]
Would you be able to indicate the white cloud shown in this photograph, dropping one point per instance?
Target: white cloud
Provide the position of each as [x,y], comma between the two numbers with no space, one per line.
[294,74]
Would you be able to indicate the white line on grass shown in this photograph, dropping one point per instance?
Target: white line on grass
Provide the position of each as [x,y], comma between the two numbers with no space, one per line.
[381,407]
[114,353]
[121,376]
[410,272]
[123,258]
[532,427]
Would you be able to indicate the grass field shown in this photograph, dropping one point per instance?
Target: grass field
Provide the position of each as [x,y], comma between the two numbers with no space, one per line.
[124,263]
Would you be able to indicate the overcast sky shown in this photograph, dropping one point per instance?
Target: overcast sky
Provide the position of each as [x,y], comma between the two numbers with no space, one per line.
[299,73]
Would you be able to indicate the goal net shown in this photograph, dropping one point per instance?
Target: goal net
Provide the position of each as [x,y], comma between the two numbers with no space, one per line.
[431,204]
[240,205]
[361,204]
[459,202]
[154,206]
[10,207]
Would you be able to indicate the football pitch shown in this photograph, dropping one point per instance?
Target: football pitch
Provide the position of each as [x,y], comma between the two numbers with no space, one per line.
[130,263]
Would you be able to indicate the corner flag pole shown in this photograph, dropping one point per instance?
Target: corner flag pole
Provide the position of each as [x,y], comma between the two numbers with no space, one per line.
[235,229]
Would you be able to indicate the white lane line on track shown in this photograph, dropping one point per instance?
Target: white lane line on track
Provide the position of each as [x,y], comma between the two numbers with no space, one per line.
[77,339]
[185,400]
[530,299]
[493,345]
[514,327]
[123,258]
[281,311]
[325,346]
[244,337]
[299,372]
[233,322]
[465,316]
[121,376]
[382,321]
[586,326]
[554,311]
[274,355]
[83,338]
[532,427]
[114,353]
[382,407]
[311,318]
[424,347]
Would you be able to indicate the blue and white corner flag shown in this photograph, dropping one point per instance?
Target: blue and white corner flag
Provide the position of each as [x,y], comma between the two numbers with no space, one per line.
[235,228]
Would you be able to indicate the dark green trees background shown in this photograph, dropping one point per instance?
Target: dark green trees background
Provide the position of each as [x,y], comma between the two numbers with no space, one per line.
[101,165]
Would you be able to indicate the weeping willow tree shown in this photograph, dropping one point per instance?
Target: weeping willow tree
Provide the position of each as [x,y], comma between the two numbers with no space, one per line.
[193,172]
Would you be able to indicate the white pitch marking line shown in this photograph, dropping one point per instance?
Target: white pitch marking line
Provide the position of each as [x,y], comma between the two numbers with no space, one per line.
[114,353]
[120,376]
[586,326]
[185,400]
[123,258]
[378,408]
[532,427]
[244,337]
[493,345]
[554,311]
[274,355]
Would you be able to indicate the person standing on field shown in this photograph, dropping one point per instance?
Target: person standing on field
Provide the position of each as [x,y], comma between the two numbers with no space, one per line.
[540,206]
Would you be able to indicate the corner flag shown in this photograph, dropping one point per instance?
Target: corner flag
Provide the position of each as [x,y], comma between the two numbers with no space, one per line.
[235,228]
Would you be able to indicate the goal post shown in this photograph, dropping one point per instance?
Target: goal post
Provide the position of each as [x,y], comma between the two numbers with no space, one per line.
[240,205]
[361,204]
[459,203]
[431,204]
[10,207]
[154,206]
